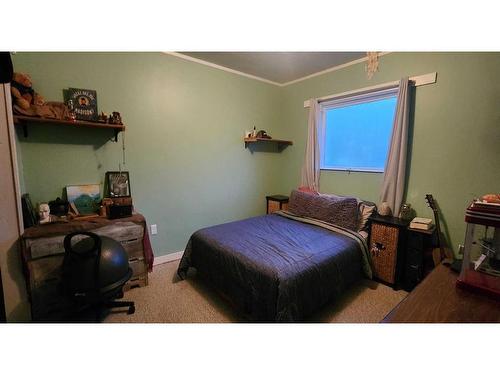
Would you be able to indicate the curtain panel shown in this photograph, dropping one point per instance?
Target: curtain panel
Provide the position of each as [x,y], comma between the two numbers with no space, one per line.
[310,168]
[393,185]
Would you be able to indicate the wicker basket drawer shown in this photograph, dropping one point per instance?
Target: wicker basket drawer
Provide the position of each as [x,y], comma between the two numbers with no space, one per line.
[273,206]
[384,245]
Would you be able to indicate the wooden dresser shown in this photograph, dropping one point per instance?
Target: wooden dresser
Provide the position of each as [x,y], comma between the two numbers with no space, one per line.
[43,254]
[437,300]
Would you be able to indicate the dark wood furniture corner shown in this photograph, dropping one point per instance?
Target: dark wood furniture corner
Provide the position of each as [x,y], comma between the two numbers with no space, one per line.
[280,142]
[276,203]
[437,300]
[25,120]
[418,258]
[387,248]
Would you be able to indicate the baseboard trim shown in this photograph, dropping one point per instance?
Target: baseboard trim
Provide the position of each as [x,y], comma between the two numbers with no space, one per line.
[168,258]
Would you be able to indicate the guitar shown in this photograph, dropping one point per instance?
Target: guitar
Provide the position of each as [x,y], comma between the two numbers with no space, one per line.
[440,253]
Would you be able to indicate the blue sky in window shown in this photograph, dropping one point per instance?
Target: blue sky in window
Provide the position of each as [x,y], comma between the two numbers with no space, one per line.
[357,136]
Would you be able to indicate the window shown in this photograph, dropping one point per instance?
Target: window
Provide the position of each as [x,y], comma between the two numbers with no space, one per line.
[356,130]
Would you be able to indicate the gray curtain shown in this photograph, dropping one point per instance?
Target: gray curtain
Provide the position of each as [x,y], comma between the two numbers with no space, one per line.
[310,168]
[393,185]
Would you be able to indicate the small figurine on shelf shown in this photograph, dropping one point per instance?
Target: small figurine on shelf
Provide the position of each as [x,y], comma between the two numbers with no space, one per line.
[115,118]
[103,118]
[406,212]
[71,111]
[263,134]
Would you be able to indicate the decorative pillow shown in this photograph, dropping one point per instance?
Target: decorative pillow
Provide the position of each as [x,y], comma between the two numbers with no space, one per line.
[341,211]
[365,210]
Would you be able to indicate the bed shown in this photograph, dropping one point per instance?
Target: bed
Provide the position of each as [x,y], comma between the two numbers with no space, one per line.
[280,267]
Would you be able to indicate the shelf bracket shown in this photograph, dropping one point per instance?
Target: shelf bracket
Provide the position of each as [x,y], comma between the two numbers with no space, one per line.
[116,134]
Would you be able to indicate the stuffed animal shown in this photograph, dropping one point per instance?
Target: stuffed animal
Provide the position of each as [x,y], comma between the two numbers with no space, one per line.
[22,92]
[491,198]
[28,102]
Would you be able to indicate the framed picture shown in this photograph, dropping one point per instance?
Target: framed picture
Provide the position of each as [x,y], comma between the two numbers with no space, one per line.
[86,198]
[118,184]
[84,103]
[29,215]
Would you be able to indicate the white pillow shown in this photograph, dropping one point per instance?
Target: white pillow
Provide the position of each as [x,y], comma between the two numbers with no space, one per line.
[365,211]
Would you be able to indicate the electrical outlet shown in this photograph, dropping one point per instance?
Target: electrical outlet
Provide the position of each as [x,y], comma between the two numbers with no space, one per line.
[154,229]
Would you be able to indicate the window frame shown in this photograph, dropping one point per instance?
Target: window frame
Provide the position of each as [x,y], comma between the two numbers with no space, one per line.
[345,101]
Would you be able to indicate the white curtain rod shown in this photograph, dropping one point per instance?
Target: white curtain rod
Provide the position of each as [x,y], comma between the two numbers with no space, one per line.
[421,80]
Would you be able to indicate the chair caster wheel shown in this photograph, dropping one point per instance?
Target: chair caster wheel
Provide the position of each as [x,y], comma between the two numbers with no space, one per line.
[131,310]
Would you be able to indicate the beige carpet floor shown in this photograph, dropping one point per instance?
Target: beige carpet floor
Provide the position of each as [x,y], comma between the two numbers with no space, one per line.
[169,300]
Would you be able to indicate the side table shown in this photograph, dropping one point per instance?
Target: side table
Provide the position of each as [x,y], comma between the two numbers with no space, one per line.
[387,248]
[276,203]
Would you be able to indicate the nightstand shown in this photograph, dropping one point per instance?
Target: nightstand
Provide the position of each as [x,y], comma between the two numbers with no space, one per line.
[387,248]
[418,259]
[276,203]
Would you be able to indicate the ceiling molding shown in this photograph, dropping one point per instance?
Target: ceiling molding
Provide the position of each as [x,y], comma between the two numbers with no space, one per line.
[332,69]
[234,71]
[220,67]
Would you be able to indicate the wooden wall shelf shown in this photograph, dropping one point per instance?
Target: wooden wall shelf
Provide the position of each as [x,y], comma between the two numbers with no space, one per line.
[25,120]
[280,142]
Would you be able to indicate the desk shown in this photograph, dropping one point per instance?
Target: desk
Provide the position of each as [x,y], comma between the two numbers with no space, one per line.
[437,300]
[43,255]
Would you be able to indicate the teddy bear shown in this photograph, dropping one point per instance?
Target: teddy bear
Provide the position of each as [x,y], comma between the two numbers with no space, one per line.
[22,92]
[28,102]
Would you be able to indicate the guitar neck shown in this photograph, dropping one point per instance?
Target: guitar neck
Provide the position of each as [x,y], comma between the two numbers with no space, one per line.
[444,253]
[438,227]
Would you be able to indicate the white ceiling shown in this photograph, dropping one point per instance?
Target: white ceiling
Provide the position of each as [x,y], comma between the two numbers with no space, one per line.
[279,67]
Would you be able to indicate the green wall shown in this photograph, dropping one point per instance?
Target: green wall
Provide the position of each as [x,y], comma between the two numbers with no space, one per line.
[184,149]
[185,122]
[454,137]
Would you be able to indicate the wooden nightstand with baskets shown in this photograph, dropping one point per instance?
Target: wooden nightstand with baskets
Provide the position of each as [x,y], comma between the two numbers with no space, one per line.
[276,203]
[387,248]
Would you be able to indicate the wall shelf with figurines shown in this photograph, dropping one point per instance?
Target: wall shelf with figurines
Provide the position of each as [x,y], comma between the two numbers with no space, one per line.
[280,142]
[25,120]
[78,110]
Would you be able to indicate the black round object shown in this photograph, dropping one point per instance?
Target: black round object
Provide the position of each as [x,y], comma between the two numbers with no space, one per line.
[94,265]
[59,207]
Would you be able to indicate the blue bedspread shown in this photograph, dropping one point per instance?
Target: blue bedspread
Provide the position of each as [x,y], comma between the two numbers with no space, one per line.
[276,268]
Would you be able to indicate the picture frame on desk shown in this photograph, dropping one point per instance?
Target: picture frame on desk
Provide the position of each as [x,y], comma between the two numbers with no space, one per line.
[85,198]
[117,184]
